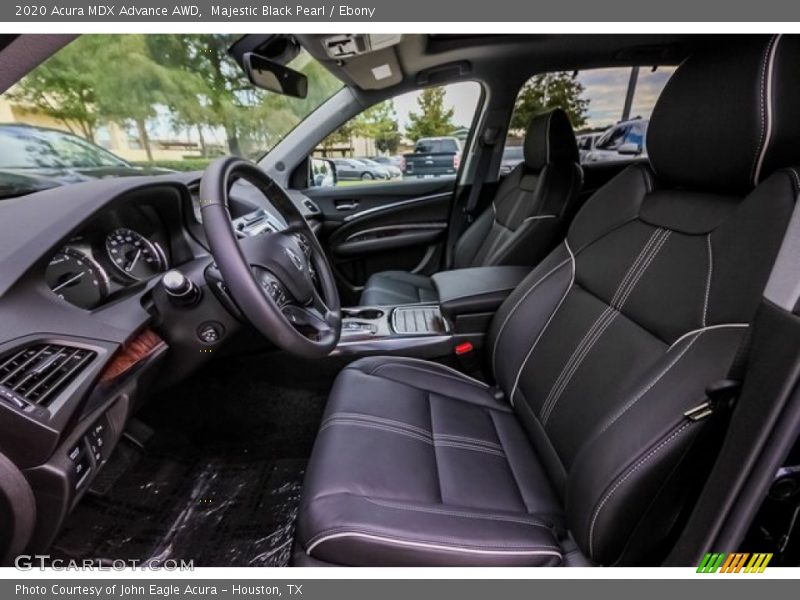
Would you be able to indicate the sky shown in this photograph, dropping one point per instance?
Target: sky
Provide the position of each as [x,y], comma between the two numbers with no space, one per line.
[605,89]
[463,97]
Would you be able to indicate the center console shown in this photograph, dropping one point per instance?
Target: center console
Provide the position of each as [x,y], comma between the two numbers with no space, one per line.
[414,330]
[468,299]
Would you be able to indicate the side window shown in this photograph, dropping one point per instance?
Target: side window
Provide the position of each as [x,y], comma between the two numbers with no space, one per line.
[609,109]
[416,135]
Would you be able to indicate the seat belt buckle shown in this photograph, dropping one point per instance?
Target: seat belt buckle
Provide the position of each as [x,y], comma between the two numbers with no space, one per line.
[720,394]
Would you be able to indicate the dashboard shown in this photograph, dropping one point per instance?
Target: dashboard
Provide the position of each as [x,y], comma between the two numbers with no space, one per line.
[87,332]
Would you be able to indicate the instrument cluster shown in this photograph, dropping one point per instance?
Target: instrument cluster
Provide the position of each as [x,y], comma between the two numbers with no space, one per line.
[111,256]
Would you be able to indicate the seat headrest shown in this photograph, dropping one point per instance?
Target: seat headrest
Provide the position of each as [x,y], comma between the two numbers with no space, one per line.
[549,138]
[728,118]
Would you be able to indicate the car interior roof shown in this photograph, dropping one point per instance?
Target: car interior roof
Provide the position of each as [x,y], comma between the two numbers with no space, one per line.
[426,59]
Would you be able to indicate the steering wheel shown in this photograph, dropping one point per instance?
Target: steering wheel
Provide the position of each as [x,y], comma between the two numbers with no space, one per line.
[281,281]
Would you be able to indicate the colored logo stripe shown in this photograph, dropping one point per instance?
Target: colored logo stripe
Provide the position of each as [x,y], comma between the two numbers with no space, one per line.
[758,563]
[711,562]
[734,563]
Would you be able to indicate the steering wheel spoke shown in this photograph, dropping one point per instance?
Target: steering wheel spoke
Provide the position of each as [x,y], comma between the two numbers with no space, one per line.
[281,280]
[272,286]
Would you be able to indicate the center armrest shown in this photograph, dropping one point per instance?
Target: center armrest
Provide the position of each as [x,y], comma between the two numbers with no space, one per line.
[477,289]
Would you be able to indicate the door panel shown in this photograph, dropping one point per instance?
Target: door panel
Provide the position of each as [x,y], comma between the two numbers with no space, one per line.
[376,227]
[343,201]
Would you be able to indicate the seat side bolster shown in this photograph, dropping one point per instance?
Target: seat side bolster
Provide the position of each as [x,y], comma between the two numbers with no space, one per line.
[627,463]
[372,532]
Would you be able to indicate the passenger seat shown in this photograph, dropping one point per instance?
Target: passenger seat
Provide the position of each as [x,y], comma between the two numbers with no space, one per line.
[528,216]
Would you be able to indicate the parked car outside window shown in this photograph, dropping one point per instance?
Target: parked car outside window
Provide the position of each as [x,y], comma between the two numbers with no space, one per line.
[35,158]
[512,156]
[623,141]
[391,171]
[354,170]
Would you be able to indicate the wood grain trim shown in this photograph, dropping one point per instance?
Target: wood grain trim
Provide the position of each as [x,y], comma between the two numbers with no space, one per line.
[141,348]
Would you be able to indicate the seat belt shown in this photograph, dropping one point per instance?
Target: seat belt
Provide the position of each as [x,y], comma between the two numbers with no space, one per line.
[486,143]
[463,219]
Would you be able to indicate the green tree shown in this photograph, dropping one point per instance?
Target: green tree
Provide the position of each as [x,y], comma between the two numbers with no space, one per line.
[134,91]
[379,123]
[433,119]
[64,86]
[220,88]
[551,90]
[342,135]
[253,119]
[101,78]
[189,81]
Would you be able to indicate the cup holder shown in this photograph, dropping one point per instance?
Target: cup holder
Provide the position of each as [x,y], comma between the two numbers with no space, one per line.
[370,314]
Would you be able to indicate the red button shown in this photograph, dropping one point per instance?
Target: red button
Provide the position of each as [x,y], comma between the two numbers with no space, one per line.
[464,348]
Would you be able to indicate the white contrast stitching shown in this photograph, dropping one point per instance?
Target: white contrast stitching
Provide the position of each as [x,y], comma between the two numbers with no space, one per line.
[766,107]
[517,304]
[513,239]
[709,328]
[461,377]
[469,440]
[708,279]
[376,426]
[589,335]
[417,433]
[532,551]
[626,476]
[545,326]
[576,365]
[353,416]
[375,419]
[653,253]
[629,282]
[634,267]
[439,366]
[470,447]
[536,217]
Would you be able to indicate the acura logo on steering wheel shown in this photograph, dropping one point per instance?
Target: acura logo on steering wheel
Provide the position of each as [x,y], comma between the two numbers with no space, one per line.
[296,260]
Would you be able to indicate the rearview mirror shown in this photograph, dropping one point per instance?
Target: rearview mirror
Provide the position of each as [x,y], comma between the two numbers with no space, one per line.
[322,172]
[630,149]
[274,77]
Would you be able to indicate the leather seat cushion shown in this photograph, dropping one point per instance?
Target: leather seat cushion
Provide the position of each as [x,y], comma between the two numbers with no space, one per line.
[417,464]
[398,287]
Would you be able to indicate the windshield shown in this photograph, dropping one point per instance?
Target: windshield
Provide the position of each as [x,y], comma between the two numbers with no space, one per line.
[33,148]
[170,101]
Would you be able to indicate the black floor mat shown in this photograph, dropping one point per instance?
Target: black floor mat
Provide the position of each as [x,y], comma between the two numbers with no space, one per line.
[219,483]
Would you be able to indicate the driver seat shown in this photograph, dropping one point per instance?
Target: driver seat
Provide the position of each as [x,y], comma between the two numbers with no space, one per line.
[582,452]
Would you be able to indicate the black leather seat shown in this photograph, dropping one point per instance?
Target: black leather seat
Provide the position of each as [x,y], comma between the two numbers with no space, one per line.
[526,220]
[583,447]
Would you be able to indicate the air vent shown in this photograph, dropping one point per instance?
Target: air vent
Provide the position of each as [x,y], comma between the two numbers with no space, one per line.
[37,373]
